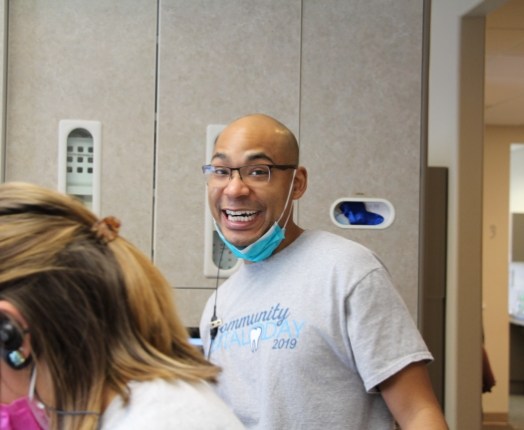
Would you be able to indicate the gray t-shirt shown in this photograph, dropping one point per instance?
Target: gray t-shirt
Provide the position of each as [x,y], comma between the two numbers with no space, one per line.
[307,336]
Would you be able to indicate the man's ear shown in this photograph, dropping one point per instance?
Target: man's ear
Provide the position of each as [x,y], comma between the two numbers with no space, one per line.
[299,183]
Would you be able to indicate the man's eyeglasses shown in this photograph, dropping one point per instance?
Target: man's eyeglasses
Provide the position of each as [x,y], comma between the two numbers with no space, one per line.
[252,175]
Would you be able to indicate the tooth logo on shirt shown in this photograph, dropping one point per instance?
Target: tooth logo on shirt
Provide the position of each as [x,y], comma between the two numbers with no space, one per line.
[255,337]
[272,328]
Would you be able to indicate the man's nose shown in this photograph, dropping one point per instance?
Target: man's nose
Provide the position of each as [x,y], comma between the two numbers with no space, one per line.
[235,185]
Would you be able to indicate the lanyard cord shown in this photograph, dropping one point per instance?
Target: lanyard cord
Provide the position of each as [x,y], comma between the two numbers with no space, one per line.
[215,321]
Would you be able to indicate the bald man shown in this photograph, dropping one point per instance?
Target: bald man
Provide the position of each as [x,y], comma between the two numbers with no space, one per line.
[310,332]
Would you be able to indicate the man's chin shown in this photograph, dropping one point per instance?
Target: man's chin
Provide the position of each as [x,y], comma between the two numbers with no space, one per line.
[239,245]
[238,242]
[240,237]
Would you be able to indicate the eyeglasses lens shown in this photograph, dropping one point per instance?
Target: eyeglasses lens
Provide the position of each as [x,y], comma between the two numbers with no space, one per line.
[251,175]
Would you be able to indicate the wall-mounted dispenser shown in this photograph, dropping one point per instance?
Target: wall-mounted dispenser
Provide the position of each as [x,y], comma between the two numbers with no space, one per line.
[79,148]
[213,246]
[362,212]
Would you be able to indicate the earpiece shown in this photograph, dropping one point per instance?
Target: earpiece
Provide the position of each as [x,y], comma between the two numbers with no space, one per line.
[11,339]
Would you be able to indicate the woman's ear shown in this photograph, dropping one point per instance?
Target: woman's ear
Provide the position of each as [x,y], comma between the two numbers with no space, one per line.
[14,314]
[299,183]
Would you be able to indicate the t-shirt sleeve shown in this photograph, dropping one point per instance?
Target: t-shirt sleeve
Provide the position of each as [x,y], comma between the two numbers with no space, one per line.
[382,333]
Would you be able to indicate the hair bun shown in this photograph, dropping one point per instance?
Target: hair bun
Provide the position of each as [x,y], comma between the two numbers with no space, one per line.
[106,229]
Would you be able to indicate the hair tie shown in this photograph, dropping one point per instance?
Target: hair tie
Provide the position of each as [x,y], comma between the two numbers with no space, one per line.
[106,229]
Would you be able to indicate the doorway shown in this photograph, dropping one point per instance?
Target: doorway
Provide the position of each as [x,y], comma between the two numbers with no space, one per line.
[504,125]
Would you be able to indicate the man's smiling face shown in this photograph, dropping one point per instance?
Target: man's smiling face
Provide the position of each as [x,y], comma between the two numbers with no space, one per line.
[244,213]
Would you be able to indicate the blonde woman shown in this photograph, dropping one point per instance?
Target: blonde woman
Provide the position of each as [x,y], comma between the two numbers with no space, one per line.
[89,328]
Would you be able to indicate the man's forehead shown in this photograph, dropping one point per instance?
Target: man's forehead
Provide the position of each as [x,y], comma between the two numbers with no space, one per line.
[242,155]
[251,139]
[247,142]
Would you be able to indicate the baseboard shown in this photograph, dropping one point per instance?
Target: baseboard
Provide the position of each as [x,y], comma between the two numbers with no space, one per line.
[499,420]
[497,427]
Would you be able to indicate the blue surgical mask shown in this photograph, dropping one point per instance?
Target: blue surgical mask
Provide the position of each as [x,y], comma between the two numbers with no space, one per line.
[264,246]
[259,250]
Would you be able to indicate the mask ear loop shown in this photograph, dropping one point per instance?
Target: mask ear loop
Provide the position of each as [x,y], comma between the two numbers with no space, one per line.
[37,408]
[32,384]
[287,201]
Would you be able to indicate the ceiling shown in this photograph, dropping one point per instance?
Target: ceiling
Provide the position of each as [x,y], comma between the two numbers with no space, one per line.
[504,73]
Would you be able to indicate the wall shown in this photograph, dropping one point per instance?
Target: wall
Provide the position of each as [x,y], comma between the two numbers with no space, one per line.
[455,139]
[495,262]
[499,169]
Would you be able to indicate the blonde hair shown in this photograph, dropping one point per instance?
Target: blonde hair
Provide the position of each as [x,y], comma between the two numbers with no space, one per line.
[99,314]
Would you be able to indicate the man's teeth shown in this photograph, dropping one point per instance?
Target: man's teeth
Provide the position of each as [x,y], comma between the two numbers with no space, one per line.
[240,216]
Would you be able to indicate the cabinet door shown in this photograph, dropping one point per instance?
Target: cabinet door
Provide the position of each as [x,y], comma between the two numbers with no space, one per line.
[218,61]
[88,60]
[361,121]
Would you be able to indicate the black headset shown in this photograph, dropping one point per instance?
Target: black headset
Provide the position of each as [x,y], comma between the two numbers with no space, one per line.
[11,339]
